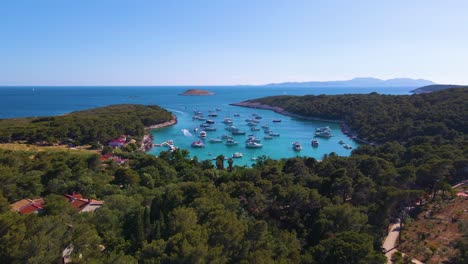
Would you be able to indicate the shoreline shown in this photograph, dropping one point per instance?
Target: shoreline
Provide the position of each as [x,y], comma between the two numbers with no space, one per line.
[344,127]
[147,142]
[281,111]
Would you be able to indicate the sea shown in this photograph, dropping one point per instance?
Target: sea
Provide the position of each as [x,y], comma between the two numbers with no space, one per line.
[35,101]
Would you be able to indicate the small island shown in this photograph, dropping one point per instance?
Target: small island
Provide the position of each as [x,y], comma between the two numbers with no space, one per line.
[191,92]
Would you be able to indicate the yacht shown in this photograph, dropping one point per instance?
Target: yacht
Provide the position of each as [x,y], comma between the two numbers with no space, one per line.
[226,137]
[237,155]
[323,129]
[231,142]
[297,146]
[252,144]
[238,132]
[253,139]
[227,121]
[324,134]
[215,140]
[315,143]
[198,144]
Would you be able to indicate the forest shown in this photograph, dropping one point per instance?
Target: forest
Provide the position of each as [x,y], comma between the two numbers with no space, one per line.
[174,209]
[84,127]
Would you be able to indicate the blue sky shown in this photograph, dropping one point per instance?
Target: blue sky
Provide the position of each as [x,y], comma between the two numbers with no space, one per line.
[229,42]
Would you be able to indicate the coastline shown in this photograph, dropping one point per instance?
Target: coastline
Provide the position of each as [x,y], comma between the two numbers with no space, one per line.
[344,127]
[281,111]
[147,142]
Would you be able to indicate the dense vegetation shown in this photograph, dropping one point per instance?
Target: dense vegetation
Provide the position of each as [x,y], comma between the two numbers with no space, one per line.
[384,118]
[434,87]
[173,209]
[84,127]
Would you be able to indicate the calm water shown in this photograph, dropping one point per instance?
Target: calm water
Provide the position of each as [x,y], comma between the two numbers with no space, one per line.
[45,101]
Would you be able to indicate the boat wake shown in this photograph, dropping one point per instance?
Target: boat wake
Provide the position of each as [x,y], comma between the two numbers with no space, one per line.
[186,133]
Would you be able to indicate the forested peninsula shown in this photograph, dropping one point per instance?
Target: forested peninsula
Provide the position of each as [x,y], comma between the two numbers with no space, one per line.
[84,127]
[177,209]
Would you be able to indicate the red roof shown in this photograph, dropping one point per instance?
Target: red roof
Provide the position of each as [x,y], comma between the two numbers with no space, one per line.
[27,206]
[80,203]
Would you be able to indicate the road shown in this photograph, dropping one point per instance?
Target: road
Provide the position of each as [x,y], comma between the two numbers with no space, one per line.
[390,243]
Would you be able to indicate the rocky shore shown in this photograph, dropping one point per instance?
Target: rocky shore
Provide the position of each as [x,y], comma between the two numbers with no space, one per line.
[147,142]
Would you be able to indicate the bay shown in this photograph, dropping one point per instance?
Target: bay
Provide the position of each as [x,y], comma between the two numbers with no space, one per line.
[47,101]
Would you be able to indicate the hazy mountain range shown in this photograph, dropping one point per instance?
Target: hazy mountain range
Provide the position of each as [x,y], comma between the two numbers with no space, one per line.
[360,82]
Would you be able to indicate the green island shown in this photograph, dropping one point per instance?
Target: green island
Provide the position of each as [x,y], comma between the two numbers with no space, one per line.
[173,209]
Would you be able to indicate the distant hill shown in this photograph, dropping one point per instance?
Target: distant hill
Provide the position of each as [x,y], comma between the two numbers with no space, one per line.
[360,82]
[434,87]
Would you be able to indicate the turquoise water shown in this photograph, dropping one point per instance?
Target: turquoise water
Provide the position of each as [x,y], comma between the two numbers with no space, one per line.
[45,101]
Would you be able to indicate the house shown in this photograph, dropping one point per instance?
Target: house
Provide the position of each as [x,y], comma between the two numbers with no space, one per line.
[118,142]
[28,206]
[109,156]
[83,204]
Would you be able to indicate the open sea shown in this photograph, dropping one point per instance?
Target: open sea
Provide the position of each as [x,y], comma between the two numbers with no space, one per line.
[46,101]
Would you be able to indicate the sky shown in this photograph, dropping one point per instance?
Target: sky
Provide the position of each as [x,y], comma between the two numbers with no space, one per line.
[230,42]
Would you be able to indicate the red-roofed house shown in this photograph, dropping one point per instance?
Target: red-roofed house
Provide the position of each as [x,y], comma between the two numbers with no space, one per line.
[109,156]
[28,206]
[82,204]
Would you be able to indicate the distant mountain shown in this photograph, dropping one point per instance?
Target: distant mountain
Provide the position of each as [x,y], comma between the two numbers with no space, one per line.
[360,82]
[434,87]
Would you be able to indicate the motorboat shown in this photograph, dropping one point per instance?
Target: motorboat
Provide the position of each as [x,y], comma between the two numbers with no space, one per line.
[238,132]
[226,137]
[237,155]
[267,137]
[254,129]
[273,134]
[210,128]
[227,121]
[276,120]
[346,146]
[236,114]
[203,134]
[252,144]
[297,146]
[215,140]
[198,144]
[209,121]
[341,142]
[314,143]
[231,142]
[324,134]
[231,128]
[253,139]
[323,129]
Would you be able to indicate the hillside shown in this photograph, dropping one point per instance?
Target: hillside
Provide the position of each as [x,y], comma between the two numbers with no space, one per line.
[84,127]
[360,82]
